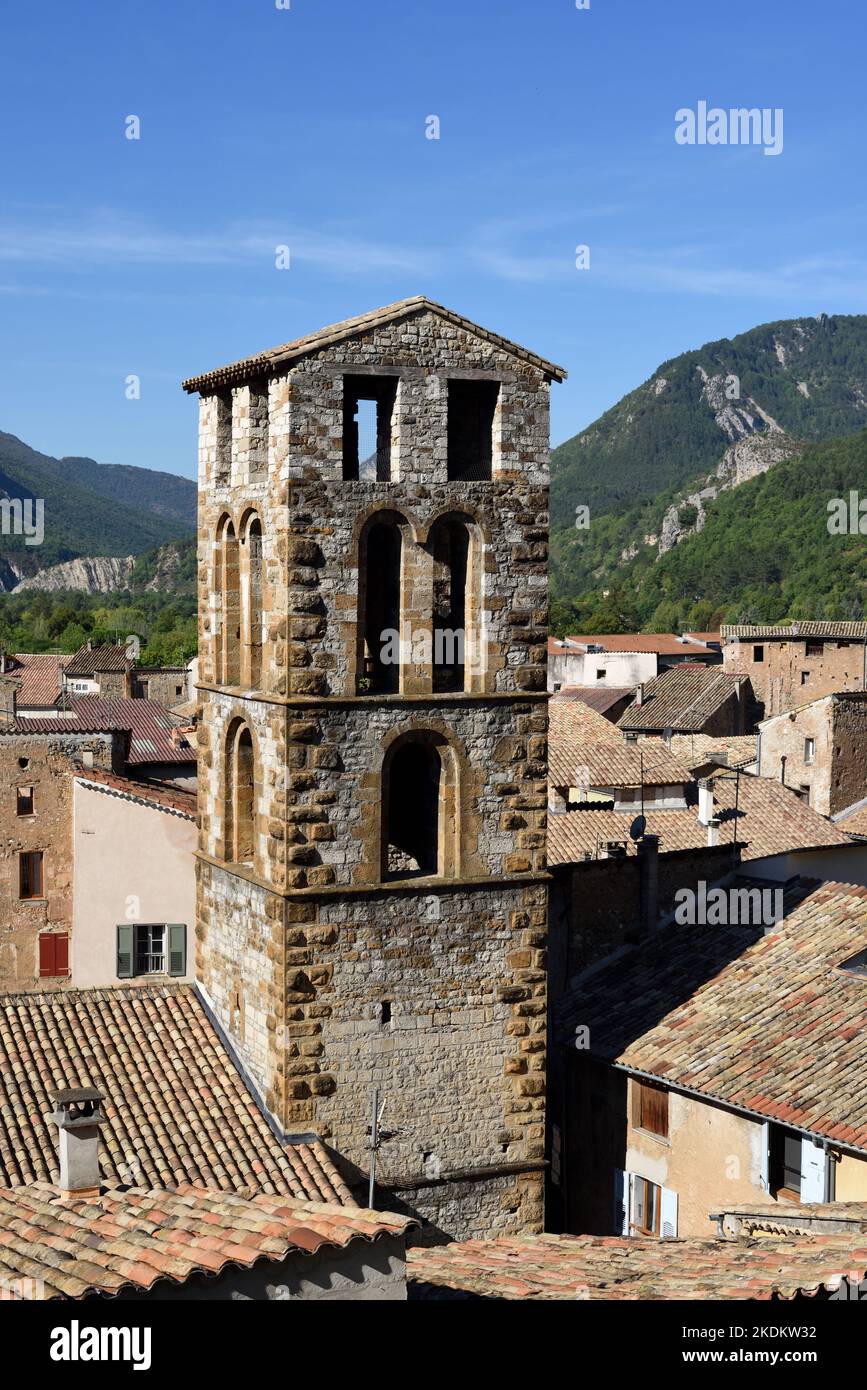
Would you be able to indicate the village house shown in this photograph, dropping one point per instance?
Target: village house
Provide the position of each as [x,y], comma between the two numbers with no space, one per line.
[624,659]
[710,1066]
[691,699]
[789,664]
[609,701]
[38,682]
[97,875]
[819,749]
[372,891]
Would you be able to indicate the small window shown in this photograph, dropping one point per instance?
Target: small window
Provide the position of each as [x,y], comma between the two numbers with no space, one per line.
[53,955]
[804,792]
[758,653]
[30,874]
[151,948]
[815,648]
[784,1163]
[368,421]
[179,690]
[646,1204]
[651,1109]
[805,676]
[472,407]
[601,673]
[24,801]
[809,750]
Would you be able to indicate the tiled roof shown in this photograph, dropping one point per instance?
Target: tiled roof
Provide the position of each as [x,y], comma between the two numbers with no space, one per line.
[854,819]
[696,749]
[176,1108]
[263,362]
[662,643]
[574,834]
[592,1267]
[765,1024]
[52,1246]
[856,631]
[575,719]
[39,674]
[599,697]
[612,764]
[88,660]
[150,725]
[161,794]
[682,698]
[770,819]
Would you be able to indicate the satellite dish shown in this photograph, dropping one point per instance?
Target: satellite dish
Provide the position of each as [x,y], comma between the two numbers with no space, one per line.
[637,828]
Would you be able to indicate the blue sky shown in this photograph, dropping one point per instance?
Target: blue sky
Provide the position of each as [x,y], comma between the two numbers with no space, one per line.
[306,127]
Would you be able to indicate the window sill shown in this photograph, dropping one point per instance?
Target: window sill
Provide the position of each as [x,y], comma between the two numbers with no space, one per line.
[663,1139]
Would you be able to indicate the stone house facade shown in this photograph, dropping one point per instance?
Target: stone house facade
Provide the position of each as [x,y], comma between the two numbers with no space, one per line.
[820,750]
[372,889]
[790,665]
[36,850]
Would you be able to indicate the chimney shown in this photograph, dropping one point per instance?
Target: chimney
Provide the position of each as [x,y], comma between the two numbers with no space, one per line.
[705,800]
[78,1116]
[648,855]
[639,696]
[8,699]
[712,832]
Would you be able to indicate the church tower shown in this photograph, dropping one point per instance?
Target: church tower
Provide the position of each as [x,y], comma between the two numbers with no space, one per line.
[372,894]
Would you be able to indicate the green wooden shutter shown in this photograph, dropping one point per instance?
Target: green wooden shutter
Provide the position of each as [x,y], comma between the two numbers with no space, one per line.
[125,947]
[177,948]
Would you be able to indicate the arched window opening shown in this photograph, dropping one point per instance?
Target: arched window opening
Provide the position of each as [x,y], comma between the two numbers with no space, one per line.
[452,629]
[253,604]
[229,633]
[379,603]
[412,847]
[240,797]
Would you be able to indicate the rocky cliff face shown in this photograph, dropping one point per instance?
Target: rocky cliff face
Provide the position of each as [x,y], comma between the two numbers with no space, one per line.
[752,453]
[88,575]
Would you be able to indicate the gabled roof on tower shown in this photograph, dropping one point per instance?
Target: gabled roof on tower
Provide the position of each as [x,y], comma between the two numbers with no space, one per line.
[262,363]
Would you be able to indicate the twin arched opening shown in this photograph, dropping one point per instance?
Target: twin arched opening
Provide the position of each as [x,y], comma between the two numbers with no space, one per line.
[420,606]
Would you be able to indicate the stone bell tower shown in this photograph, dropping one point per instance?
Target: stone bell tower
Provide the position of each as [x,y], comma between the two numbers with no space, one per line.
[372,896]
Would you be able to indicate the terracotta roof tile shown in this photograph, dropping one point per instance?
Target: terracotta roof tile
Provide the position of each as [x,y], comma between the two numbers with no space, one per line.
[287,353]
[161,794]
[40,677]
[573,763]
[73,1247]
[683,698]
[551,1267]
[770,819]
[768,1024]
[87,661]
[177,1110]
[663,643]
[831,630]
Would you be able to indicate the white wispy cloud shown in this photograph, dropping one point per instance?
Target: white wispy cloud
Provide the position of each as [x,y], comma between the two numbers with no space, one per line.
[107,239]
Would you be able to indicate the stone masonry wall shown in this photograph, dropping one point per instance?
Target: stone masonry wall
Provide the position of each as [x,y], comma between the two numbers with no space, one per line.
[328,980]
[47,763]
[778,679]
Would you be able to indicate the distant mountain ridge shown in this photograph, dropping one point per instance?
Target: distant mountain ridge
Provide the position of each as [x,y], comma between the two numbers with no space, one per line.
[92,510]
[653,468]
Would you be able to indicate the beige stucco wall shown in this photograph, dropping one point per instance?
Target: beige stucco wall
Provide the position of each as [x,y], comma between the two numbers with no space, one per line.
[711,1158]
[127,857]
[851,1179]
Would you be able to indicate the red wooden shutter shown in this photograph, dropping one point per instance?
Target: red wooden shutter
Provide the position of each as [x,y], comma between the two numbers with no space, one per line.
[47,954]
[53,954]
[61,954]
